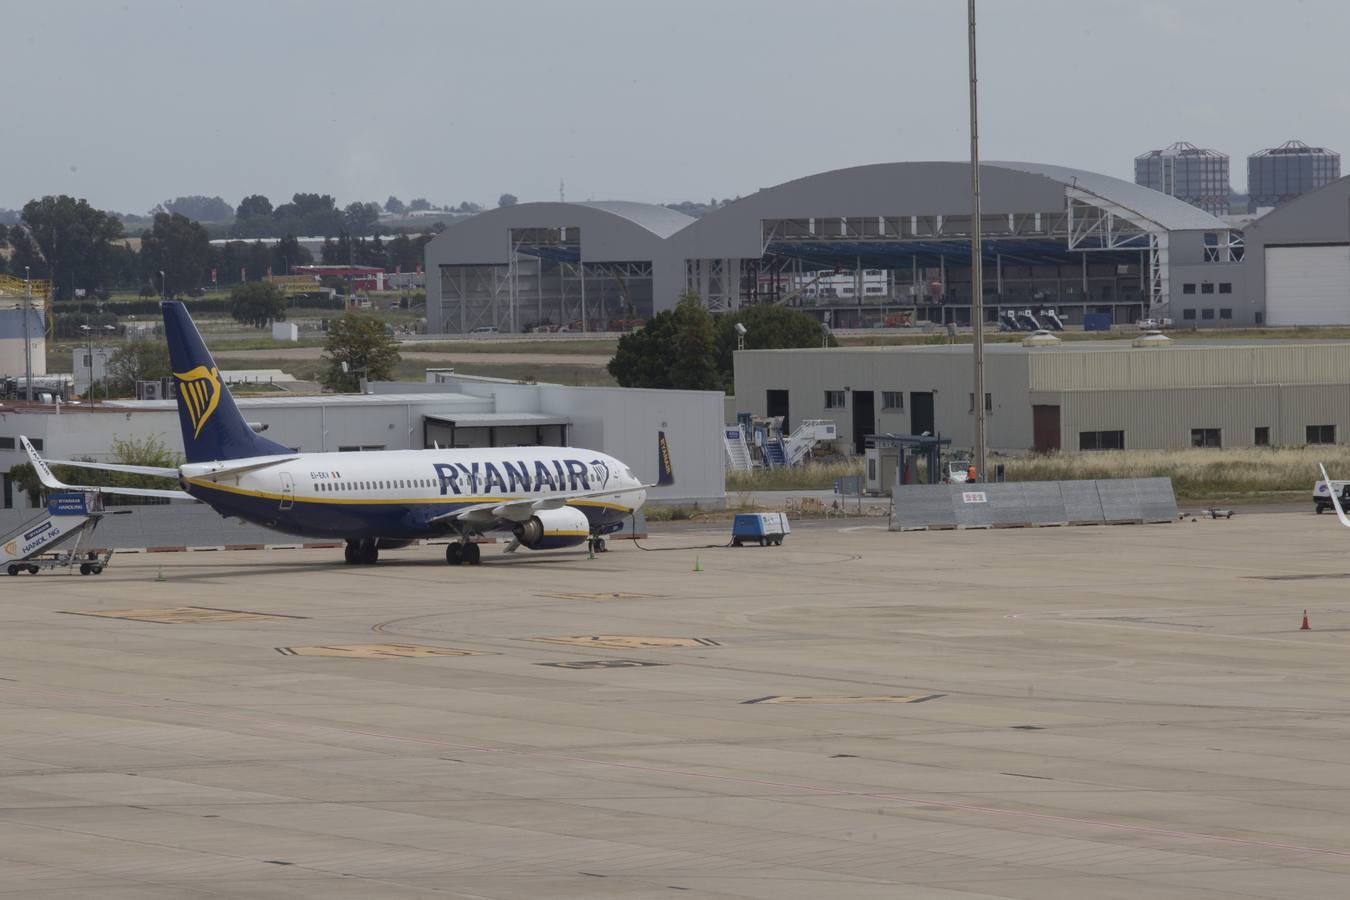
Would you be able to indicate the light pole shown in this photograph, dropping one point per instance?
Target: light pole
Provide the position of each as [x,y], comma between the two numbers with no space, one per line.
[27,344]
[976,263]
[163,286]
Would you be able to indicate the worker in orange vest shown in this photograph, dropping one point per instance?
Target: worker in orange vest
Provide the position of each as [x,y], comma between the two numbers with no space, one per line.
[970,473]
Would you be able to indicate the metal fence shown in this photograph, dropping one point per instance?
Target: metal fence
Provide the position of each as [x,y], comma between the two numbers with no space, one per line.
[1022,504]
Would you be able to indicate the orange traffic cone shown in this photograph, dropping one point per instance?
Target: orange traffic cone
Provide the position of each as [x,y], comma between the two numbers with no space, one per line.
[1305,626]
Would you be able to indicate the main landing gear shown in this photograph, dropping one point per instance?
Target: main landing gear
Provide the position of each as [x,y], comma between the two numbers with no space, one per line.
[363,552]
[463,553]
[596,544]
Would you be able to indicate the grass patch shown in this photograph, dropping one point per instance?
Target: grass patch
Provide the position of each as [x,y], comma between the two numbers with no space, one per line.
[556,346]
[814,476]
[1196,473]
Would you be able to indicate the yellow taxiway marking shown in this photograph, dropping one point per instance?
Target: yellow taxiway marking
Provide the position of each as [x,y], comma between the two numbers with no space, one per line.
[884,698]
[179,615]
[627,641]
[374,651]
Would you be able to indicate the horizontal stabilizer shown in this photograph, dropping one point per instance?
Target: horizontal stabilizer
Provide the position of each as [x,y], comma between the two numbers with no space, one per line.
[50,481]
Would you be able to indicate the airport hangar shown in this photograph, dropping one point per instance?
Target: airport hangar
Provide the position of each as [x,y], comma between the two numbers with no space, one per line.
[1053,237]
[449,410]
[1075,395]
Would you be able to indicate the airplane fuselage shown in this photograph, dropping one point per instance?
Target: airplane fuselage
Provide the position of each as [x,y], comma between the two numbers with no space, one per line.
[406,494]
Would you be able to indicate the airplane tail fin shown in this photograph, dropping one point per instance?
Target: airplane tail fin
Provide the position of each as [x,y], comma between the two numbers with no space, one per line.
[666,473]
[212,427]
[1335,498]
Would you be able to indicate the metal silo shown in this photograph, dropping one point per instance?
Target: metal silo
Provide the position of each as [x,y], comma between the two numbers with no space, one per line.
[1187,172]
[1278,174]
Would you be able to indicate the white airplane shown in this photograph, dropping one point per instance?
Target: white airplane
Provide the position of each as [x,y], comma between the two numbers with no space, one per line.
[547,497]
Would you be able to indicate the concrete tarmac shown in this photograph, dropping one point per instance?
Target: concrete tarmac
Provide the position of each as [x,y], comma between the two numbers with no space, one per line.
[1104,712]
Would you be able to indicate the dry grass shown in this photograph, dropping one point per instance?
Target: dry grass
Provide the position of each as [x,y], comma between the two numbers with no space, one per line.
[814,476]
[1195,473]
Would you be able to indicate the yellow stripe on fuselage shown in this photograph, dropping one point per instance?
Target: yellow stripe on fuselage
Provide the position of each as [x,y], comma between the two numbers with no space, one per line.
[388,501]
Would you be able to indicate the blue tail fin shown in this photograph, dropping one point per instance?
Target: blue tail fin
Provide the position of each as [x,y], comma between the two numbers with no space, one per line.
[213,429]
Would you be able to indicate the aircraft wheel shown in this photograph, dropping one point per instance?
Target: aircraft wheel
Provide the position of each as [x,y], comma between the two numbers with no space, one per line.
[13,570]
[473,554]
[600,545]
[349,553]
[369,553]
[452,554]
[33,570]
[96,569]
[84,568]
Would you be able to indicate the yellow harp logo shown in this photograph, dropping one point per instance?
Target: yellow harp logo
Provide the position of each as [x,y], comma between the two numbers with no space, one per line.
[200,392]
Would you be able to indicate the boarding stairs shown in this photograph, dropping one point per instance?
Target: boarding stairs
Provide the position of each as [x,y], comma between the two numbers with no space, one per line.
[803,440]
[738,453]
[68,516]
[1028,321]
[1052,319]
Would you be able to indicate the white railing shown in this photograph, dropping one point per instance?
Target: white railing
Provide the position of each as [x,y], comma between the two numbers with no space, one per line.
[807,434]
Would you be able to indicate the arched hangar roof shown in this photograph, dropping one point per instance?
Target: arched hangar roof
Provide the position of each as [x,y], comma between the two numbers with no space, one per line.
[610,231]
[926,188]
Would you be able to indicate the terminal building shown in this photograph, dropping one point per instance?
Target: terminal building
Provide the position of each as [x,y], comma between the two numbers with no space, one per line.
[1081,395]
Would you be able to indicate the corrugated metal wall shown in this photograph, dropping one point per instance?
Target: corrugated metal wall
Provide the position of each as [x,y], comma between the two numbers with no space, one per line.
[1190,366]
[1164,418]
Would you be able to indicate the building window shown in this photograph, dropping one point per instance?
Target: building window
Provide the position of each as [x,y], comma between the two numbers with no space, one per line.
[1259,318]
[1188,315]
[1226,313]
[1262,436]
[1187,288]
[892,399]
[988,402]
[1211,246]
[1206,437]
[1101,440]
[1225,287]
[834,400]
[36,442]
[1207,287]
[6,443]
[1207,314]
[1321,434]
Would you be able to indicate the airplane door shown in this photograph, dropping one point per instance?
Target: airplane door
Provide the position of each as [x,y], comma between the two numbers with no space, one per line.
[287,491]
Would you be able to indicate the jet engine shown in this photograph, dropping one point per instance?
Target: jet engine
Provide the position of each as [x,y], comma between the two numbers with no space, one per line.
[552,528]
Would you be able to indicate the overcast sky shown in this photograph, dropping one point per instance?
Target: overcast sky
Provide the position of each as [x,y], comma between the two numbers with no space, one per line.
[130,103]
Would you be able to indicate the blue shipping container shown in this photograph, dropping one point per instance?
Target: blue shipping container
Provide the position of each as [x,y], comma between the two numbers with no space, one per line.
[1096,321]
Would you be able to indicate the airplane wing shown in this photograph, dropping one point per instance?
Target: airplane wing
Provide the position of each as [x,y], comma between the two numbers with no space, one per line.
[44,474]
[520,510]
[1335,498]
[116,467]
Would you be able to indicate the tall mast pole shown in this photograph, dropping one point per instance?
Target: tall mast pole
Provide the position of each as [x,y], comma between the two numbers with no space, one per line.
[976,262]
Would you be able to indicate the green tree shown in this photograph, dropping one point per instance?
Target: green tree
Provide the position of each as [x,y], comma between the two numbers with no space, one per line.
[507,200]
[73,238]
[365,345]
[257,303]
[419,204]
[695,365]
[361,218]
[644,357]
[150,451]
[288,253]
[767,327]
[138,360]
[178,247]
[395,206]
[199,208]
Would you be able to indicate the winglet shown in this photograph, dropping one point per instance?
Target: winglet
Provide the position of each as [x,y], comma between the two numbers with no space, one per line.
[666,473]
[1335,500]
[44,472]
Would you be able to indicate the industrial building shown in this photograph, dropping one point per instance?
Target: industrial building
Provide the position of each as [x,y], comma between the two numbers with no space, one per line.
[1297,268]
[451,411]
[1080,395]
[1277,175]
[1193,174]
[583,266]
[849,246]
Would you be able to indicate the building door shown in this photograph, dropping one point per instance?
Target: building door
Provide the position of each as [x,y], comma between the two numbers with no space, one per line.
[864,419]
[776,404]
[1045,428]
[287,491]
[921,412]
